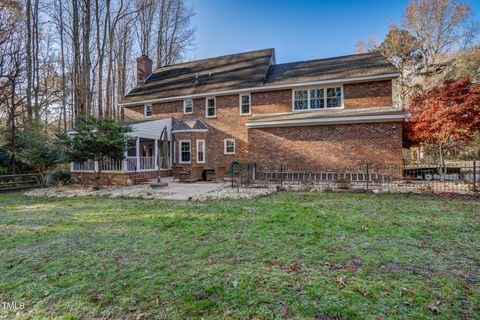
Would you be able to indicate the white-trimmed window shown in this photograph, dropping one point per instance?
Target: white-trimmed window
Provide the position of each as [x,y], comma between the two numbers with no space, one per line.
[210,107]
[317,98]
[147,111]
[229,146]
[200,151]
[245,108]
[185,152]
[188,106]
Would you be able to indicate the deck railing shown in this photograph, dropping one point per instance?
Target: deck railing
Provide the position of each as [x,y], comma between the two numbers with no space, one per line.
[112,165]
[129,164]
[84,166]
[147,163]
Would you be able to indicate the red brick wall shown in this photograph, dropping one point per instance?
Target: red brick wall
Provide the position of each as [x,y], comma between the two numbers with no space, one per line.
[272,101]
[330,146]
[230,124]
[368,94]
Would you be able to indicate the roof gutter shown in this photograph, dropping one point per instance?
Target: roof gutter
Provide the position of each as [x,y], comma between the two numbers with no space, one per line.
[326,121]
[265,88]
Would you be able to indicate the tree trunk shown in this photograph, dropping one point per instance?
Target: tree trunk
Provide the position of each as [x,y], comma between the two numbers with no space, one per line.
[36,65]
[442,163]
[86,61]
[28,50]
[14,128]
[64,96]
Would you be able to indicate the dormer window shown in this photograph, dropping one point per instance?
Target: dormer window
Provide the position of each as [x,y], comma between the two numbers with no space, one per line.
[147,111]
[188,106]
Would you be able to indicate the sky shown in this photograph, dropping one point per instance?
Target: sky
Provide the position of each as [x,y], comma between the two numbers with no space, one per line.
[297,29]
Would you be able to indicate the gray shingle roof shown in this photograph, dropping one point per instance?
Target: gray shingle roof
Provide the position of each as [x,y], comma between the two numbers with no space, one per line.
[236,71]
[189,124]
[254,69]
[357,65]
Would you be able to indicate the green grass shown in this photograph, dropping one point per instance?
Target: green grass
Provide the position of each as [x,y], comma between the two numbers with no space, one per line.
[294,256]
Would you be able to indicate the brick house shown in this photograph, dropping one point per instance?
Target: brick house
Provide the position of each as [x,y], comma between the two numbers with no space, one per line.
[307,115]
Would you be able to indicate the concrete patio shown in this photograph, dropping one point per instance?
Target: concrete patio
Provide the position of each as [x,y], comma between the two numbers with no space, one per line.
[185,191]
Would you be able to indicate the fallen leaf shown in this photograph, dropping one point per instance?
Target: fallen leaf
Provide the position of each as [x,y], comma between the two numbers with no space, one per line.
[284,311]
[341,281]
[435,307]
[298,287]
[363,291]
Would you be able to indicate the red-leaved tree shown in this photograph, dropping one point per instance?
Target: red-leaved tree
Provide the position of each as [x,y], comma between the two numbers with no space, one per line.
[445,116]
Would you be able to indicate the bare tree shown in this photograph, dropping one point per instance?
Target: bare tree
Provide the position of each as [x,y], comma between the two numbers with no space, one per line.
[402,50]
[12,62]
[441,26]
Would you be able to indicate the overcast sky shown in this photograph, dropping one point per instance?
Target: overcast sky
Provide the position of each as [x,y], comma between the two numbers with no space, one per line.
[298,30]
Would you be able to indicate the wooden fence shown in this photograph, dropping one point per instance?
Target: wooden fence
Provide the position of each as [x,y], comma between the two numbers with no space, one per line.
[19,182]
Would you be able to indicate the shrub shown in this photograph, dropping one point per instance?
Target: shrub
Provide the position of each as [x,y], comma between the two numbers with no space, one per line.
[60,176]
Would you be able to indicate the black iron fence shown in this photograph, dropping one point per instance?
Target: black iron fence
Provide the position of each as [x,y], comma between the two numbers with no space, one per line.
[461,177]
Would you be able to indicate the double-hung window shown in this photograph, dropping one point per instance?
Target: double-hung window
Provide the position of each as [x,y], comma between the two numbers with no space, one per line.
[244,104]
[200,151]
[317,98]
[211,108]
[185,151]
[147,111]
[187,106]
[334,97]
[229,146]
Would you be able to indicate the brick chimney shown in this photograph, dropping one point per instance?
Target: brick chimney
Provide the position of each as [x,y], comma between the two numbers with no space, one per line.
[144,68]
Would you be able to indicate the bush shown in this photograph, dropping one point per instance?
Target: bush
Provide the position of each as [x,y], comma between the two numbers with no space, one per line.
[60,176]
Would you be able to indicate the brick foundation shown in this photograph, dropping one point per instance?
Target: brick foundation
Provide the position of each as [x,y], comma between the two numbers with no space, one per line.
[116,178]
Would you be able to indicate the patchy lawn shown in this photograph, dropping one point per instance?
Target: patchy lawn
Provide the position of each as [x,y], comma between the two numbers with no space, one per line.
[297,256]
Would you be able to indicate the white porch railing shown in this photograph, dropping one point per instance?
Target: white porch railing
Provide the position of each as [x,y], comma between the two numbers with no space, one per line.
[112,165]
[129,164]
[83,166]
[147,163]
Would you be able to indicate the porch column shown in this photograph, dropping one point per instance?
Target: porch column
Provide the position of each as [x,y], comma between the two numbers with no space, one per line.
[124,162]
[137,150]
[155,153]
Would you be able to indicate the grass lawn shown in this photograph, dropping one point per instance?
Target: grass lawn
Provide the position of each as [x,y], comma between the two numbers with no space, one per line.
[293,256]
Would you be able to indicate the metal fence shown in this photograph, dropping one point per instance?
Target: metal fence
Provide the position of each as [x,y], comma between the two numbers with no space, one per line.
[462,177]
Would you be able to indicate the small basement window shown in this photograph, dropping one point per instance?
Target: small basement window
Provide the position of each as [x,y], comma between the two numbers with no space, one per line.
[229,146]
[211,108]
[148,111]
[187,106]
[185,151]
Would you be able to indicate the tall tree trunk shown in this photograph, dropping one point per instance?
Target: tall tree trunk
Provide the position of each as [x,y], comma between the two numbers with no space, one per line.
[28,49]
[77,87]
[64,96]
[86,61]
[14,128]
[36,61]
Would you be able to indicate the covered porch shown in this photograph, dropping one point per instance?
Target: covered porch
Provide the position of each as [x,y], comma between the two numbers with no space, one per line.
[141,161]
